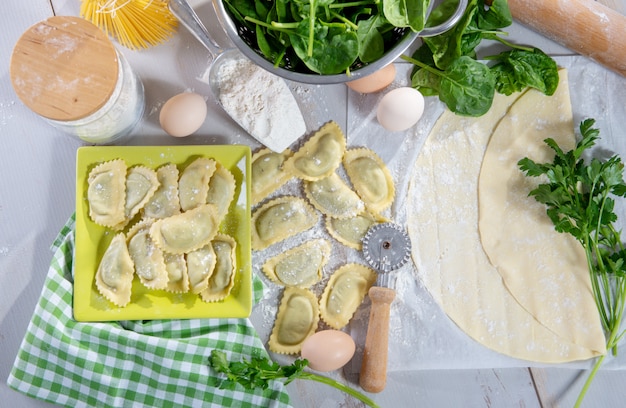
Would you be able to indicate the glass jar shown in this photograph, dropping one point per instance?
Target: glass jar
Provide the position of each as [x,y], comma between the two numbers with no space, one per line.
[67,71]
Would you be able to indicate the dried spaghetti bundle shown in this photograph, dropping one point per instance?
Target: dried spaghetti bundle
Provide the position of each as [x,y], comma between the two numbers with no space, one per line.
[134,23]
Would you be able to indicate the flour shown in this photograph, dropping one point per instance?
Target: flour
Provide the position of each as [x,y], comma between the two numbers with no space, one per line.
[261,103]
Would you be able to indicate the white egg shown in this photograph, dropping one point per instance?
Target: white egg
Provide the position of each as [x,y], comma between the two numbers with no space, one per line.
[328,350]
[183,114]
[400,109]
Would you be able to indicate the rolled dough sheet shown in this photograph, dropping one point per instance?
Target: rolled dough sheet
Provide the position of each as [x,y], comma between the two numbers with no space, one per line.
[545,271]
[442,219]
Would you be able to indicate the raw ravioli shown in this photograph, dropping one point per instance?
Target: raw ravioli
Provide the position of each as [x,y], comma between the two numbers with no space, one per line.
[106,193]
[300,266]
[279,219]
[344,292]
[296,320]
[114,277]
[320,156]
[268,174]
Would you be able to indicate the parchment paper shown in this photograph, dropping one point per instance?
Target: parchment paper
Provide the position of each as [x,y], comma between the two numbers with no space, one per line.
[421,335]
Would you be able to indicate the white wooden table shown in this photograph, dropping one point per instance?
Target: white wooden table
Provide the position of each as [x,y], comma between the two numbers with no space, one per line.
[37,196]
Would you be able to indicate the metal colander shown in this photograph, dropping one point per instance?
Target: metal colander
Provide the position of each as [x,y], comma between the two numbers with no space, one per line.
[245,40]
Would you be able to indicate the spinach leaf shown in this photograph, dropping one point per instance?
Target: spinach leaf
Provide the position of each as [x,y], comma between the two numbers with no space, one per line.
[467,87]
[406,13]
[518,69]
[494,16]
[334,48]
[446,64]
[447,47]
[371,42]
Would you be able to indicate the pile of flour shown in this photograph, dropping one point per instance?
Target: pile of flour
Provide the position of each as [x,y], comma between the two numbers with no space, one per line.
[261,103]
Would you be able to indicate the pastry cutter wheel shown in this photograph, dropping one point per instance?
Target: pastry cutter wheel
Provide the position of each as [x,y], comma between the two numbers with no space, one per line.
[386,248]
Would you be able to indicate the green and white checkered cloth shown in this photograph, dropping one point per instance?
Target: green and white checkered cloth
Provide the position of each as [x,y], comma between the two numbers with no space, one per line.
[158,363]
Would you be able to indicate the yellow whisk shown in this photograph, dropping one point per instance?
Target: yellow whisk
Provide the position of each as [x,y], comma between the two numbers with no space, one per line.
[133,23]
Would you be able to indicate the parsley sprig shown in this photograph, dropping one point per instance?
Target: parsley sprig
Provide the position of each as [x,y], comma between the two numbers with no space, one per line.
[580,201]
[259,371]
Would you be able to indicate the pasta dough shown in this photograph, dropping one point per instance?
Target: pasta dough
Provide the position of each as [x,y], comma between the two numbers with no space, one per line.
[446,247]
[516,233]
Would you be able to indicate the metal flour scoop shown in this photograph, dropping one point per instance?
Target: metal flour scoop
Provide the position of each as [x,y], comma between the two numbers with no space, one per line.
[265,129]
[188,18]
[386,248]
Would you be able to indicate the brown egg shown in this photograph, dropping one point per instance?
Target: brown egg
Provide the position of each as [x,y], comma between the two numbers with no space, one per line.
[328,350]
[375,82]
[183,114]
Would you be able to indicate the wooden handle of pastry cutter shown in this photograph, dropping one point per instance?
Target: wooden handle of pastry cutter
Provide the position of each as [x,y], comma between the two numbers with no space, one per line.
[373,375]
[584,26]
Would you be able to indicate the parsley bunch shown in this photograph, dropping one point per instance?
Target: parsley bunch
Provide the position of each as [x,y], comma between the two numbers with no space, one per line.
[259,371]
[579,200]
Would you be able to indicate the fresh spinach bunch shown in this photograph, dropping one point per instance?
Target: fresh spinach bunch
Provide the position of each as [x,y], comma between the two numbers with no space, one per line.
[446,64]
[325,36]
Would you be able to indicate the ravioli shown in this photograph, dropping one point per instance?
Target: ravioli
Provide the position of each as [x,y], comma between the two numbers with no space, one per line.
[193,185]
[300,266]
[344,292]
[114,277]
[147,257]
[164,202]
[177,276]
[222,280]
[370,177]
[221,190]
[280,219]
[186,231]
[141,184]
[200,266]
[320,156]
[267,173]
[333,197]
[350,231]
[296,320]
[106,193]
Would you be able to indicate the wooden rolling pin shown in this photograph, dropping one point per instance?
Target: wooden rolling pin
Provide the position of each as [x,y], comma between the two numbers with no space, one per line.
[584,26]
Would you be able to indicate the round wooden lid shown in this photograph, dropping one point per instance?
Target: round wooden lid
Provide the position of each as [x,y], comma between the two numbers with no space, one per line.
[64,68]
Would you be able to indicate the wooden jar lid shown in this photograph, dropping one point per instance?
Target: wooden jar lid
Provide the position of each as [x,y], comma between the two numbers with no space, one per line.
[64,68]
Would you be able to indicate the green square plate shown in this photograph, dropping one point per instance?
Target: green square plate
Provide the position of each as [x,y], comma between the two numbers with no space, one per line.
[148,304]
